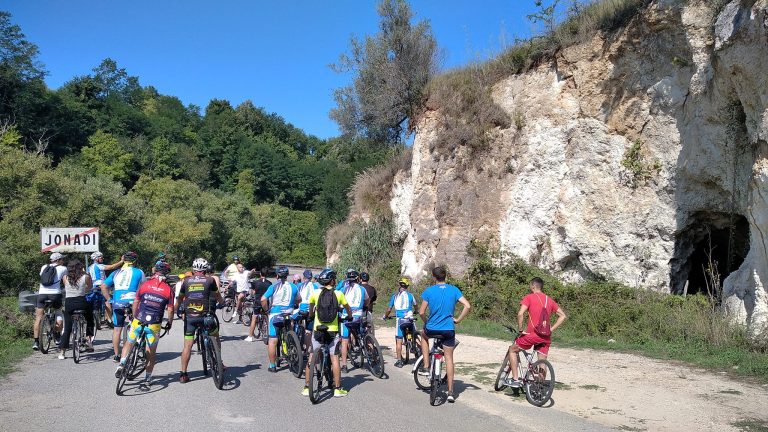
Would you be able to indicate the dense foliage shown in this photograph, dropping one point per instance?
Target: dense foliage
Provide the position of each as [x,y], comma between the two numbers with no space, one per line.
[156,175]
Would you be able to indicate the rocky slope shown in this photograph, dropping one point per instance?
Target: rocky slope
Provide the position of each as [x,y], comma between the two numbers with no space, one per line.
[636,156]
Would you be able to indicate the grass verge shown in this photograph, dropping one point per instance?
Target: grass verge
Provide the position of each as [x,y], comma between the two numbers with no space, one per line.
[15,335]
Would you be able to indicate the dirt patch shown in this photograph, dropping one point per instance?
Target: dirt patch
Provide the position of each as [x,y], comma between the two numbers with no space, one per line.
[624,391]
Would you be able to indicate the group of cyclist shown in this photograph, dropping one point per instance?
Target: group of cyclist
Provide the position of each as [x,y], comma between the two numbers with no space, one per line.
[149,301]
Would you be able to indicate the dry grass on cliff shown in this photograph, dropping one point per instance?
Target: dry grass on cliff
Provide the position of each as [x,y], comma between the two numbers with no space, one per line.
[372,190]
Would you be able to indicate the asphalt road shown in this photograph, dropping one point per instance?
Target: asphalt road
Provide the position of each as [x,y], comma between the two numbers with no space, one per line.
[59,395]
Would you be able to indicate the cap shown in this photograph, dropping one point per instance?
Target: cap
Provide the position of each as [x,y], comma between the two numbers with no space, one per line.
[307,273]
[56,256]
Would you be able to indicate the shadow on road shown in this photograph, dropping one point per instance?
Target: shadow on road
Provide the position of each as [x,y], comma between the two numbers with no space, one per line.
[351,381]
[132,388]
[233,374]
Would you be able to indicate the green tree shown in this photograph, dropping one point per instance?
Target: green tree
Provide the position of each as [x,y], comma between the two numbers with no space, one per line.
[391,70]
[244,186]
[106,156]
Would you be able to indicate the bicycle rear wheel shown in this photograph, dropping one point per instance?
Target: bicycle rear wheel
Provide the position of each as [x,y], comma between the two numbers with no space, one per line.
[539,383]
[228,312]
[45,333]
[499,385]
[201,351]
[316,374]
[355,352]
[375,358]
[295,355]
[77,334]
[247,317]
[263,328]
[422,381]
[214,359]
[407,347]
[434,383]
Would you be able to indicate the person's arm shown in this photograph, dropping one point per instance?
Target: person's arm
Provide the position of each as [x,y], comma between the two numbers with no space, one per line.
[88,282]
[423,311]
[113,266]
[521,317]
[136,306]
[561,317]
[464,312]
[265,298]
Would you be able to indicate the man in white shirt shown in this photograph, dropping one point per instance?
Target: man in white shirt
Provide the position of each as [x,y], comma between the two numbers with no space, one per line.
[242,281]
[49,292]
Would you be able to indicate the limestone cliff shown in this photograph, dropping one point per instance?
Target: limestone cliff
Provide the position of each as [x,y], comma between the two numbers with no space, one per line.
[636,156]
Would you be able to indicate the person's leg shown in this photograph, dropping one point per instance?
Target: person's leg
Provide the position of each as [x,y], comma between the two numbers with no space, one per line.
[89,323]
[336,371]
[38,318]
[186,353]
[64,340]
[449,366]
[399,348]
[272,349]
[252,326]
[425,349]
[239,306]
[513,361]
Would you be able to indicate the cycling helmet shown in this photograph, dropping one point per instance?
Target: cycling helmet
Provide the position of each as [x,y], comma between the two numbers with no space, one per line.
[210,268]
[404,282]
[130,256]
[352,273]
[96,255]
[364,277]
[282,271]
[235,258]
[200,264]
[326,276]
[162,267]
[161,257]
[210,323]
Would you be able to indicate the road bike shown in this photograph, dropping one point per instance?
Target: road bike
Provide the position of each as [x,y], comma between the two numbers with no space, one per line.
[210,349]
[47,331]
[78,338]
[247,310]
[136,361]
[536,375]
[364,348]
[436,376]
[320,373]
[288,345]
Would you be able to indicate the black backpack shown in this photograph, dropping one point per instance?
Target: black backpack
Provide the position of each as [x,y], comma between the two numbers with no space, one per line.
[327,306]
[48,276]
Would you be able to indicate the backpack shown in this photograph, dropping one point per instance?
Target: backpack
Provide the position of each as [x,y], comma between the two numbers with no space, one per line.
[327,306]
[48,276]
[542,325]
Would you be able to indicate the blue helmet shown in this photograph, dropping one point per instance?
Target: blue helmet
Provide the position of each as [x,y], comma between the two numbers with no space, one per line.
[327,276]
[282,272]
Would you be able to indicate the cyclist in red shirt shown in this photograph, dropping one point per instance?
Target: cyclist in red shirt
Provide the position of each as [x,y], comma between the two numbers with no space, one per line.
[533,303]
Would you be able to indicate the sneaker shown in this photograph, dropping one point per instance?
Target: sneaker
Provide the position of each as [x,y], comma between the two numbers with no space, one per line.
[340,392]
[250,339]
[184,378]
[62,356]
[423,372]
[119,371]
[36,346]
[272,369]
[305,392]
[116,359]
[511,382]
[450,398]
[344,369]
[145,385]
[399,364]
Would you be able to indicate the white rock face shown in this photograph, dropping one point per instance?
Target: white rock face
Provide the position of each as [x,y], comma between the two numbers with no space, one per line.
[555,191]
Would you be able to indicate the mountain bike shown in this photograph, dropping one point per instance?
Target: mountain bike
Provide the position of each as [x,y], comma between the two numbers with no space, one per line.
[364,348]
[47,331]
[78,338]
[262,323]
[135,362]
[210,350]
[97,301]
[411,338]
[247,310]
[437,375]
[320,373]
[300,326]
[288,345]
[537,376]
[228,312]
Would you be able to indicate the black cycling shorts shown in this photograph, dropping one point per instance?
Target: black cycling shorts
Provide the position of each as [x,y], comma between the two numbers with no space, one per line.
[192,323]
[55,298]
[449,336]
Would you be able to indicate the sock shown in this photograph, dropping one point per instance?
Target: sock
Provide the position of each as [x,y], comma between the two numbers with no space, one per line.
[122,361]
[147,376]
[272,365]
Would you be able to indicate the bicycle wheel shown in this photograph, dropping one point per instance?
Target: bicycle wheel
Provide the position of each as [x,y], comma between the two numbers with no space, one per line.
[316,373]
[121,382]
[139,359]
[247,317]
[422,381]
[228,312]
[434,381]
[295,356]
[407,347]
[375,358]
[416,346]
[263,328]
[499,385]
[75,340]
[201,351]
[301,333]
[45,333]
[355,351]
[214,359]
[539,383]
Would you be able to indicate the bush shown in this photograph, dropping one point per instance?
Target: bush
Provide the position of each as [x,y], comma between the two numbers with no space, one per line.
[372,189]
[372,247]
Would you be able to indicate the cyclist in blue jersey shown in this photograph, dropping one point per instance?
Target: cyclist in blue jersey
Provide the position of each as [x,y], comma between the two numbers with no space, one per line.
[98,272]
[284,296]
[306,289]
[441,300]
[126,282]
[358,301]
[404,305]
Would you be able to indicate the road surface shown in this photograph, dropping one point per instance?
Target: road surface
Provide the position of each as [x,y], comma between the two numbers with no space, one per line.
[59,395]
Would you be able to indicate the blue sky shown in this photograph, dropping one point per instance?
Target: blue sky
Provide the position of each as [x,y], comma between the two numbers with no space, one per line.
[275,53]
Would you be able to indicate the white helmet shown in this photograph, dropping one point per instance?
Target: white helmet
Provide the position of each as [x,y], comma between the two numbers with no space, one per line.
[200,264]
[96,255]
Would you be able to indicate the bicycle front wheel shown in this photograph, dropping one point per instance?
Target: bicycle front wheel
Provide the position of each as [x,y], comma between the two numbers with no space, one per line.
[502,375]
[228,312]
[247,317]
[421,379]
[539,383]
[375,358]
[216,364]
[435,381]
[295,355]
[316,374]
[138,360]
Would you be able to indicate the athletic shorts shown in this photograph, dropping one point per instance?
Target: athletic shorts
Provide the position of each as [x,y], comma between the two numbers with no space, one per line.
[449,336]
[405,323]
[310,322]
[118,315]
[192,323]
[55,298]
[150,332]
[333,338]
[345,331]
[274,317]
[527,341]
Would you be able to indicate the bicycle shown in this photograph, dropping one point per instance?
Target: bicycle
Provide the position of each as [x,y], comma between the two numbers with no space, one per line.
[228,312]
[135,362]
[97,301]
[79,340]
[437,374]
[300,325]
[411,338]
[537,375]
[320,366]
[288,345]
[262,323]
[364,348]
[247,310]
[210,350]
[47,330]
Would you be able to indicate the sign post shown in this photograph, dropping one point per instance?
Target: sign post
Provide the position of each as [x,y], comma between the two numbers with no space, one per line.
[69,239]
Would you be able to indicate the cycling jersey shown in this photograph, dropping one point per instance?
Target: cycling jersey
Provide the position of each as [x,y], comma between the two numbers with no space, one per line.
[355,295]
[305,291]
[97,273]
[442,299]
[402,303]
[155,296]
[197,291]
[126,281]
[229,273]
[283,295]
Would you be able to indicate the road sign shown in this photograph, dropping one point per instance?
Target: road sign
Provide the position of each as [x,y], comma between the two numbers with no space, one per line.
[69,239]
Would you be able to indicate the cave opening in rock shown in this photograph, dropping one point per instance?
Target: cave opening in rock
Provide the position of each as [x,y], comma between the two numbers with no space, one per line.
[719,238]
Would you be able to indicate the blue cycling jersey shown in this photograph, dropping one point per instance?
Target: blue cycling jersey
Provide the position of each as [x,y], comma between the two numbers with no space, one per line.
[96,271]
[355,295]
[402,302]
[305,291]
[283,295]
[126,282]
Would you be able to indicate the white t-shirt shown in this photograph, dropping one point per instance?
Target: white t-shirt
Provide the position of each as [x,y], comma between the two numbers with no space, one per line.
[243,280]
[178,287]
[56,287]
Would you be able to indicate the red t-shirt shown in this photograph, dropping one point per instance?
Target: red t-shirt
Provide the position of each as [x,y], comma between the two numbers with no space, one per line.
[535,303]
[154,297]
